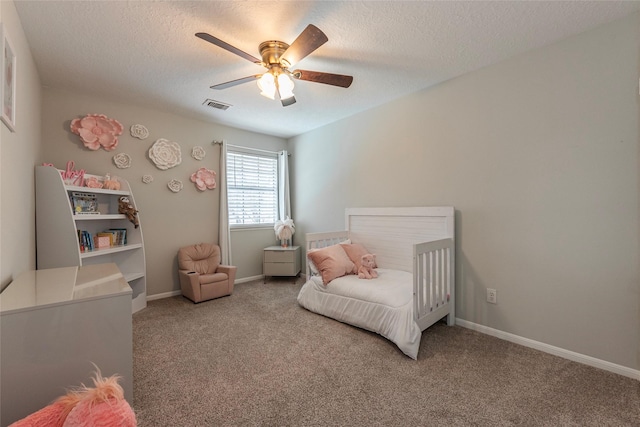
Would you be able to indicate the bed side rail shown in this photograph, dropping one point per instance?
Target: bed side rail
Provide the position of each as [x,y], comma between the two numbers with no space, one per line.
[433,282]
[322,240]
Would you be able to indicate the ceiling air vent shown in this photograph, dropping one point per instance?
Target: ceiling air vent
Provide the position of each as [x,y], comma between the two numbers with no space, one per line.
[216,104]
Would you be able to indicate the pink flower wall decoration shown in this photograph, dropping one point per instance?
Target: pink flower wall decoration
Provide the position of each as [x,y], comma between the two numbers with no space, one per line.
[205,179]
[97,130]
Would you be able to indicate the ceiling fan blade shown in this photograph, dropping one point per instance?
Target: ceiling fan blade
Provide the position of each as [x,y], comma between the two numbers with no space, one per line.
[285,101]
[326,78]
[227,46]
[235,82]
[288,101]
[309,40]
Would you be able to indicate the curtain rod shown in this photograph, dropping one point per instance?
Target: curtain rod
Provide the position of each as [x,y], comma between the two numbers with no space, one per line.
[250,148]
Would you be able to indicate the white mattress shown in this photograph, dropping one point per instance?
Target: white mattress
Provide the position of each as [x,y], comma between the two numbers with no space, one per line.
[383,305]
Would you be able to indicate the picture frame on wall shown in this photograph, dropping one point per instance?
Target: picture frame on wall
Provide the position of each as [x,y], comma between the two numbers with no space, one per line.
[8,83]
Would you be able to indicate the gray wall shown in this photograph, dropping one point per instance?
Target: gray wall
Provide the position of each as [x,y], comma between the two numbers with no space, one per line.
[18,154]
[539,155]
[169,220]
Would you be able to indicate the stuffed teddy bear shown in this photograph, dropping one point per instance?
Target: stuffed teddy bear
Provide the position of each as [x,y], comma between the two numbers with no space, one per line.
[103,405]
[366,270]
[125,207]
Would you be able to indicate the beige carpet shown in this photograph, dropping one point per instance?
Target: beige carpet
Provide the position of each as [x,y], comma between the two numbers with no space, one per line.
[258,358]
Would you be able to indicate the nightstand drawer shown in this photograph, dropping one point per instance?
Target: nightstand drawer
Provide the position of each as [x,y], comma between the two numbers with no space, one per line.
[280,256]
[280,269]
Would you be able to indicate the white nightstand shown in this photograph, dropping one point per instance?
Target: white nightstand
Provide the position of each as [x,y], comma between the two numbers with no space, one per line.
[279,261]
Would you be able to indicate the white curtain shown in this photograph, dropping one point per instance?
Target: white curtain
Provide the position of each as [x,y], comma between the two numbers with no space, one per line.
[224,232]
[284,202]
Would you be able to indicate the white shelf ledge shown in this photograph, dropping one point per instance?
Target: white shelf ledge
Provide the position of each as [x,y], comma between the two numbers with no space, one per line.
[130,277]
[91,217]
[111,250]
[96,190]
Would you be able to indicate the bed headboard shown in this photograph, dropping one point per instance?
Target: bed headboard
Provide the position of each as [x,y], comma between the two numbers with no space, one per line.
[390,232]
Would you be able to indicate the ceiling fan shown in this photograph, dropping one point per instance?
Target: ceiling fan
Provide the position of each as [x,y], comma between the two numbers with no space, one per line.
[278,57]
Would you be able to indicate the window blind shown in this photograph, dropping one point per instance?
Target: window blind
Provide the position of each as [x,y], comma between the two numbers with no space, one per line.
[252,185]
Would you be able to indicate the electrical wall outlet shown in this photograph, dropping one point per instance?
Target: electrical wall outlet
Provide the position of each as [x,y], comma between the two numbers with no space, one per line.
[492,296]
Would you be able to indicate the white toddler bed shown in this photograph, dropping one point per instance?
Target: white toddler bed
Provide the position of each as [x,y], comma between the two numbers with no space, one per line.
[414,250]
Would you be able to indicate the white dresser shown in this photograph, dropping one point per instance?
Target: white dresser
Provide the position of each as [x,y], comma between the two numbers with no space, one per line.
[54,324]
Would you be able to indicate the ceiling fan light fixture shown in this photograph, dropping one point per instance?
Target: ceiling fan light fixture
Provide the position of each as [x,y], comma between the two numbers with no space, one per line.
[285,86]
[267,85]
[277,57]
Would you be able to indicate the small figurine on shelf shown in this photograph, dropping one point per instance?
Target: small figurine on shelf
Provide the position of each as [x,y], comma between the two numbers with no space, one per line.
[111,184]
[125,207]
[93,182]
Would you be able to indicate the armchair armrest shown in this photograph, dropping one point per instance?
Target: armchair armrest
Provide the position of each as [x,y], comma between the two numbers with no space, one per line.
[190,284]
[230,270]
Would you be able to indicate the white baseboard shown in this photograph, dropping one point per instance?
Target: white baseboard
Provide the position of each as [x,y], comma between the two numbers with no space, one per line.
[556,351]
[249,279]
[164,295]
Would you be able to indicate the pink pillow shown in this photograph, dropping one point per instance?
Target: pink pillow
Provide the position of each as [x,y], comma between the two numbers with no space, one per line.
[355,251]
[332,262]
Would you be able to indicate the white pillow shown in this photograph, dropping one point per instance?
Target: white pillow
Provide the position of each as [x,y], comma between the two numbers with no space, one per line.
[312,266]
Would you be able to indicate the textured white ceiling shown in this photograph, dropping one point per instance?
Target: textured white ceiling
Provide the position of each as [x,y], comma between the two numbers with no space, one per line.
[145,52]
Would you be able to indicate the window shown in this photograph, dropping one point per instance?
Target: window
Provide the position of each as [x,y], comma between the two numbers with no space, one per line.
[252,183]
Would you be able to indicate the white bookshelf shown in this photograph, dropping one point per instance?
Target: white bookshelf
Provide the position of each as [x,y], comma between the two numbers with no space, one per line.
[57,230]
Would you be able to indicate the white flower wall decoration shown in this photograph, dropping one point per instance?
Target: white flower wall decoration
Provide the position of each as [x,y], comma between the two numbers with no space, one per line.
[175,185]
[147,179]
[165,154]
[198,153]
[139,131]
[122,160]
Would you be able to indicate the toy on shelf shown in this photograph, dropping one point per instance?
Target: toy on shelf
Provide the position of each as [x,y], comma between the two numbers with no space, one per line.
[125,207]
[111,183]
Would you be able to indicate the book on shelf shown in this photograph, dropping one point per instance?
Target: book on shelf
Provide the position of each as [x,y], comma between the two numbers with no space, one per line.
[104,240]
[120,235]
[117,236]
[85,240]
[84,203]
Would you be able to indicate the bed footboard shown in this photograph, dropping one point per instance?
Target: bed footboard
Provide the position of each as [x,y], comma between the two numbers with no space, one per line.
[433,282]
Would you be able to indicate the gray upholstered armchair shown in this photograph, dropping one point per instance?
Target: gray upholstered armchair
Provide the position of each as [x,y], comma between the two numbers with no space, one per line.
[202,277]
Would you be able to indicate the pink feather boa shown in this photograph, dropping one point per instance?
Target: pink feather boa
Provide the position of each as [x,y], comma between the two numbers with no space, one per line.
[103,405]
